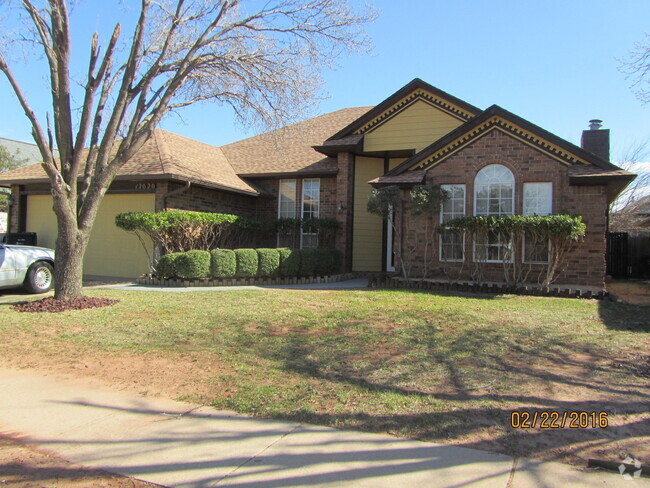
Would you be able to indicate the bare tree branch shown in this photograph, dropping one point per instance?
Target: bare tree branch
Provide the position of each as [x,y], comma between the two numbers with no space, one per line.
[637,68]
[262,59]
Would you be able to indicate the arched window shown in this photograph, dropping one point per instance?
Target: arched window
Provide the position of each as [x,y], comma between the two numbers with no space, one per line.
[494,191]
[494,194]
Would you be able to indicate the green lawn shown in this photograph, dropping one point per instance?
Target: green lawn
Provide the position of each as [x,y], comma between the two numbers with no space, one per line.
[416,364]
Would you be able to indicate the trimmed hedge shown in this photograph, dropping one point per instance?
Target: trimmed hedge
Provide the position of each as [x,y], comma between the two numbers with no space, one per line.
[329,262]
[308,262]
[223,263]
[247,263]
[166,267]
[193,264]
[269,262]
[289,262]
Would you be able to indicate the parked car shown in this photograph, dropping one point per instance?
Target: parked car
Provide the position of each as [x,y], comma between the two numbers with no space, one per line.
[29,266]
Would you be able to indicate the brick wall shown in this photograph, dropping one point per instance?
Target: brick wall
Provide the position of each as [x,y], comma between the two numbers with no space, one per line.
[267,205]
[200,199]
[586,265]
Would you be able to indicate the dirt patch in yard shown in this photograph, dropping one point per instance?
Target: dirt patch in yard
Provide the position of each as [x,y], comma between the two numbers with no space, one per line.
[633,292]
[554,385]
[27,466]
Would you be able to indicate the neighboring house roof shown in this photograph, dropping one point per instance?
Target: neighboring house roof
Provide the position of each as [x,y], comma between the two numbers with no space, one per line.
[164,155]
[24,150]
[289,149]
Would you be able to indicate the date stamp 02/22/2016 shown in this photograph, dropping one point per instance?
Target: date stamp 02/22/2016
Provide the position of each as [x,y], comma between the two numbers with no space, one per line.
[551,419]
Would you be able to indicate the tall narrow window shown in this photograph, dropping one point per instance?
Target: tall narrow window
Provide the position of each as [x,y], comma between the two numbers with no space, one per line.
[310,210]
[494,194]
[452,242]
[287,199]
[538,200]
[286,210]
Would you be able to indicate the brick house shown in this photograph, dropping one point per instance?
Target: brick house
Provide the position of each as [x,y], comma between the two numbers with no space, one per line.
[491,162]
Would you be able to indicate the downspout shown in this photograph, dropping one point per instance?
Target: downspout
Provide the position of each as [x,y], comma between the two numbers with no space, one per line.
[174,192]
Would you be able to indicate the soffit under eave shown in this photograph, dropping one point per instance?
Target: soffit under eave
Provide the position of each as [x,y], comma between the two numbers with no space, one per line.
[431,159]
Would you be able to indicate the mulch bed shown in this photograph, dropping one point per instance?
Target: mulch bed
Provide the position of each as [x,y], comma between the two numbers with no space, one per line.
[52,305]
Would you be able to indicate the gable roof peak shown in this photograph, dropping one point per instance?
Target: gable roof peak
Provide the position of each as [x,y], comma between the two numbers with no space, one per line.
[403,98]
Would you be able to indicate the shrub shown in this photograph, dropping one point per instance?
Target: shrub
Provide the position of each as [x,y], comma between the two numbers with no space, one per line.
[308,262]
[223,263]
[329,262]
[183,230]
[247,262]
[166,267]
[289,262]
[269,262]
[193,264]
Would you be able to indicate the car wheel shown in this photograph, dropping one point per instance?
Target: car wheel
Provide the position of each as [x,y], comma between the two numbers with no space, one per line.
[40,277]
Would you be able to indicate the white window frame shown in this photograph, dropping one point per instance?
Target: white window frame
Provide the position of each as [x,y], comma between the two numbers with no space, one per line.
[528,211]
[512,182]
[512,254]
[302,209]
[295,188]
[280,216]
[453,215]
[523,253]
[542,184]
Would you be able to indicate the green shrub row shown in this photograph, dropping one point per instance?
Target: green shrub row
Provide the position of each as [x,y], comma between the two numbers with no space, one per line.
[248,263]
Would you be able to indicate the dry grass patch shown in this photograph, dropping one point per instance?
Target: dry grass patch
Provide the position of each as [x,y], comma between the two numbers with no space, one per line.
[447,368]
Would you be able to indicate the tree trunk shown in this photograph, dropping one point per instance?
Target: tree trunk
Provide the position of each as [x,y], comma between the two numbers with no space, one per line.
[71,246]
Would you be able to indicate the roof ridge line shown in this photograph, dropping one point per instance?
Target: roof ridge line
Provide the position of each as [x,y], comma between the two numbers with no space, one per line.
[164,154]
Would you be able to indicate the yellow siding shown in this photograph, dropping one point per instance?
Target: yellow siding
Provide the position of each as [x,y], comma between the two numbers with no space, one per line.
[394,162]
[41,219]
[367,228]
[415,128]
[111,251]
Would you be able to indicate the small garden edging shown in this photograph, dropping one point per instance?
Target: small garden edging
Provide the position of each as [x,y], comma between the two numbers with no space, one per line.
[260,281]
[396,283]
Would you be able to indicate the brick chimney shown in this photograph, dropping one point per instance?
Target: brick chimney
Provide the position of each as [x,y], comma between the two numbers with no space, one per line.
[596,140]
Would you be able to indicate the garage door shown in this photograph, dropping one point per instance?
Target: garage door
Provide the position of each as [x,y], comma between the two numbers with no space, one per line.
[111,251]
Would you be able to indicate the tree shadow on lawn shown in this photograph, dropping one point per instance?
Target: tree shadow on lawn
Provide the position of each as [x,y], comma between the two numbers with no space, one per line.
[625,316]
[474,410]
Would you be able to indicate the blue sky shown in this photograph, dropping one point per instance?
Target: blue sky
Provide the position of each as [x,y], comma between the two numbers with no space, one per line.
[553,63]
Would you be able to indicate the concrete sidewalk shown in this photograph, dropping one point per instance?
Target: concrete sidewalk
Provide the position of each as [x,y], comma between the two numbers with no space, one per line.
[181,445]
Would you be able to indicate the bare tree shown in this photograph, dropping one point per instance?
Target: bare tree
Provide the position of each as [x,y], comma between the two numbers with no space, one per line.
[625,212]
[264,62]
[637,68]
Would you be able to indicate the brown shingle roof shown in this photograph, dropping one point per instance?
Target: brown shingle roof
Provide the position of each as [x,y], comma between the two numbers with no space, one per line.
[588,171]
[290,148]
[164,154]
[410,177]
